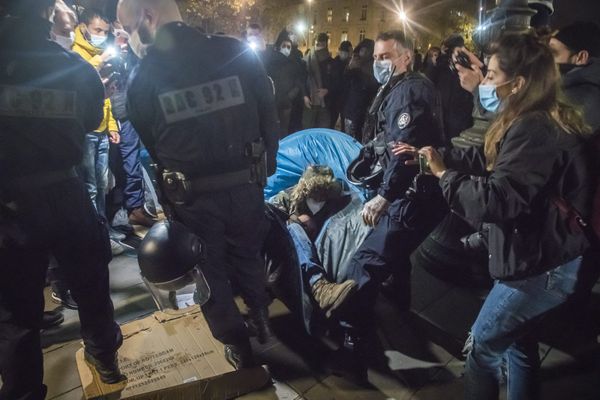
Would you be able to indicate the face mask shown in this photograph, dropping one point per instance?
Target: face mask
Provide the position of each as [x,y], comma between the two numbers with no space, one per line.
[489,98]
[314,206]
[286,51]
[382,69]
[319,47]
[66,42]
[97,41]
[344,55]
[138,48]
[566,68]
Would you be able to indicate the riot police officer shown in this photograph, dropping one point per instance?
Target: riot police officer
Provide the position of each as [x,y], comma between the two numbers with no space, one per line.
[204,107]
[49,98]
[404,210]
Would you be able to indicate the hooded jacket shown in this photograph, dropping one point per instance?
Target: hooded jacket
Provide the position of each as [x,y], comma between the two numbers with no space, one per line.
[92,55]
[582,87]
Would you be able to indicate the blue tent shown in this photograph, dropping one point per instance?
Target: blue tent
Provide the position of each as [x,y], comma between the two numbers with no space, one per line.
[312,146]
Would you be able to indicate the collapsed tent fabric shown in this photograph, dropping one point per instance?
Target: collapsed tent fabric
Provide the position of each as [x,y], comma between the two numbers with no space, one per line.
[312,146]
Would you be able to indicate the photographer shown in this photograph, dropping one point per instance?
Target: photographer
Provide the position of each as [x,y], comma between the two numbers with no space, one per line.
[534,154]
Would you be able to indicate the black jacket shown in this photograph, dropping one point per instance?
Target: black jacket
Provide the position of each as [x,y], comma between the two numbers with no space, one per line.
[536,161]
[49,99]
[287,78]
[409,113]
[457,103]
[362,88]
[582,87]
[197,101]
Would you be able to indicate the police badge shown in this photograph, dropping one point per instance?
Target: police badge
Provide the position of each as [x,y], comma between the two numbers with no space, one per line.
[403,120]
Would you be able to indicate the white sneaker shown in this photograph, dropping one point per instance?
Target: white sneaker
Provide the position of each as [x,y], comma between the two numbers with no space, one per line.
[116,248]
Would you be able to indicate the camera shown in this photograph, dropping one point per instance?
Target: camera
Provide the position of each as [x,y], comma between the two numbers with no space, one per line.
[461,59]
[424,165]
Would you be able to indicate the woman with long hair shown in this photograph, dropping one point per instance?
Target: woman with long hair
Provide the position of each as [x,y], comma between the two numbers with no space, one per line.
[534,156]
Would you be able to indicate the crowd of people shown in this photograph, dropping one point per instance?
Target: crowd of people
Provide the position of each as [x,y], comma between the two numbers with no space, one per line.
[80,93]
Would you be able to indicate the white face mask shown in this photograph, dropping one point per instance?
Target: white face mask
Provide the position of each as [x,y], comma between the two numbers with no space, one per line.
[314,206]
[66,42]
[344,55]
[138,48]
[285,51]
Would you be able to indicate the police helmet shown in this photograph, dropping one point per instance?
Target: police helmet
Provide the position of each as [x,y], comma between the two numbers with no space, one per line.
[366,170]
[170,257]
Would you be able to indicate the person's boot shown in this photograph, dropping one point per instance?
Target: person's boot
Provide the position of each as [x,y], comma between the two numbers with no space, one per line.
[64,298]
[138,216]
[331,296]
[259,321]
[240,355]
[52,319]
[107,369]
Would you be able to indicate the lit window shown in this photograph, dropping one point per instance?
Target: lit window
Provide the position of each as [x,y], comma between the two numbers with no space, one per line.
[363,13]
[361,37]
[344,36]
[330,15]
[346,14]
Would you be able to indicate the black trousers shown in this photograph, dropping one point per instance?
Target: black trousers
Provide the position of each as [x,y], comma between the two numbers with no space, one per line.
[386,250]
[58,219]
[233,226]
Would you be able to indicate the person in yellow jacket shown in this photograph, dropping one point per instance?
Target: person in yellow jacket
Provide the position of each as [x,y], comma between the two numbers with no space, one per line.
[90,43]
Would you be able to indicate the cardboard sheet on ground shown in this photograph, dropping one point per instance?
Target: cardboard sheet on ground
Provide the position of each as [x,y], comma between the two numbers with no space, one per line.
[171,356]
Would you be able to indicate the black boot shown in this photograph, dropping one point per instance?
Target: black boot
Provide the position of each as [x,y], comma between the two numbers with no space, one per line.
[52,319]
[259,322]
[240,355]
[107,369]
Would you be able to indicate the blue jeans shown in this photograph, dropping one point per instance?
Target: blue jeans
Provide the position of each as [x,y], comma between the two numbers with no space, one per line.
[94,169]
[504,334]
[133,182]
[312,270]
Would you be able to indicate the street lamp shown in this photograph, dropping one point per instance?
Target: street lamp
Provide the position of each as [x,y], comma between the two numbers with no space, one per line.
[403,17]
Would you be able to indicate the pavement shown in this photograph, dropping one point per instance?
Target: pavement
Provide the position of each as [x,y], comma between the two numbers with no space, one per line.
[418,355]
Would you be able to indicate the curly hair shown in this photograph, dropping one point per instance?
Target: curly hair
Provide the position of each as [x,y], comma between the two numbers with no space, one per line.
[317,182]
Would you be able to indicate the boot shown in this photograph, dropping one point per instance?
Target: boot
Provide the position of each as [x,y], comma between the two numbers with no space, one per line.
[259,322]
[63,297]
[138,216]
[240,355]
[330,296]
[107,369]
[52,319]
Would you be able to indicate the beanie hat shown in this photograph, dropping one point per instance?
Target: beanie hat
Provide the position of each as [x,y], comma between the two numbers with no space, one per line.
[581,36]
[345,46]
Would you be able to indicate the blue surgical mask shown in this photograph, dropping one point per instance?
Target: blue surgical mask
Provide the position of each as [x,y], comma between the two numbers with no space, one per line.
[488,97]
[97,41]
[382,69]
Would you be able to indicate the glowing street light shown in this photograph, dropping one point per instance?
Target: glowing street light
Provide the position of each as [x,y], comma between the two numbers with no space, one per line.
[301,27]
[402,15]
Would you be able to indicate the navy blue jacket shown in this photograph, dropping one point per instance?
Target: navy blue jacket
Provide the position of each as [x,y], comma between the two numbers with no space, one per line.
[410,113]
[49,99]
[197,101]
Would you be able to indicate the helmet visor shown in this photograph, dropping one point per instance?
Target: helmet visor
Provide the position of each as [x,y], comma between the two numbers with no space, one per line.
[186,291]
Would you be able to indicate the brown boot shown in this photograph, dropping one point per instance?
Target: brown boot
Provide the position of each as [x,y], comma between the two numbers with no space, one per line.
[139,217]
[331,296]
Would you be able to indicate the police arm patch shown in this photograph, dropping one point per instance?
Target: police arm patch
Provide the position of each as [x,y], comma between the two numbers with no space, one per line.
[404,120]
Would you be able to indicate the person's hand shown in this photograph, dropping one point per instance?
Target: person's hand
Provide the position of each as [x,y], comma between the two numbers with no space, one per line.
[470,79]
[374,209]
[403,148]
[107,54]
[322,92]
[307,102]
[114,137]
[434,160]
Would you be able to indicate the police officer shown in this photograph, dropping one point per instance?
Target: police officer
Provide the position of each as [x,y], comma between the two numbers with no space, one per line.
[49,98]
[407,110]
[205,109]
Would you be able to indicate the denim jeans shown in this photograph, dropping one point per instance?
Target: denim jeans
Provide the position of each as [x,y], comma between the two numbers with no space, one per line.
[312,271]
[128,167]
[94,169]
[504,333]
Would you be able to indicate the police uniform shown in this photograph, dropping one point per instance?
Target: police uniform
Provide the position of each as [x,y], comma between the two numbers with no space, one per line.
[409,113]
[49,99]
[200,104]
